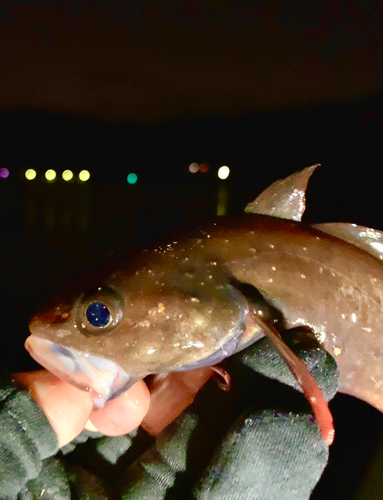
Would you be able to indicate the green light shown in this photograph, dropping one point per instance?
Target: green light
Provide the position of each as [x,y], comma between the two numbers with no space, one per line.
[132,178]
[30,174]
[67,175]
[84,175]
[50,175]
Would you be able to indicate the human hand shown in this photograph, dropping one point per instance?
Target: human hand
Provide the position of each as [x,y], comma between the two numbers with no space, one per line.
[70,410]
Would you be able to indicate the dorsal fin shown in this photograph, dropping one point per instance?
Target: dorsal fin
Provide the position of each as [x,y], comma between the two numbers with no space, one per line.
[285,198]
[365,238]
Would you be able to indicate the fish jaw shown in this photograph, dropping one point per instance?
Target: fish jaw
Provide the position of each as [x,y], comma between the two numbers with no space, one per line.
[102,378]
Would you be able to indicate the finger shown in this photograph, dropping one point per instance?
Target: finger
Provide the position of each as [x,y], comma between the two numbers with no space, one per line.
[123,414]
[170,395]
[66,407]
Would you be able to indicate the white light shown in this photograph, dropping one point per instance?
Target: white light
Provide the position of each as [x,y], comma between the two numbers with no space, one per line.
[223,172]
[193,168]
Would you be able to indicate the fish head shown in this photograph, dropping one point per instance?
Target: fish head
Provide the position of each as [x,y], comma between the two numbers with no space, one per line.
[172,310]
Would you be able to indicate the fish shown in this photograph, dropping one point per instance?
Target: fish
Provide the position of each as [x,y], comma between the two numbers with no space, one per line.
[181,304]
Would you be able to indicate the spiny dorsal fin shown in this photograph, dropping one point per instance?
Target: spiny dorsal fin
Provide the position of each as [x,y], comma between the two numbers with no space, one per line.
[365,238]
[285,198]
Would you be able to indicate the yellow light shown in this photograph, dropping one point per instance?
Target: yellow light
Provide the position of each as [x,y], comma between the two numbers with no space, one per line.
[30,174]
[50,175]
[84,175]
[223,172]
[67,175]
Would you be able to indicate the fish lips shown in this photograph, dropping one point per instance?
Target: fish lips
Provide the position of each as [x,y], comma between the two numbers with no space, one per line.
[102,378]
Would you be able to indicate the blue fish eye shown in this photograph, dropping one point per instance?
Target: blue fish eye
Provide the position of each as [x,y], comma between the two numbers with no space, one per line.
[99,311]
[98,314]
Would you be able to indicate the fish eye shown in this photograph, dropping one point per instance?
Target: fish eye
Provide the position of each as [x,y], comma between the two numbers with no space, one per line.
[98,314]
[99,311]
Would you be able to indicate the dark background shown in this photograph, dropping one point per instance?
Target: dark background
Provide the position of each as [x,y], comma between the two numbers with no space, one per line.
[265,88]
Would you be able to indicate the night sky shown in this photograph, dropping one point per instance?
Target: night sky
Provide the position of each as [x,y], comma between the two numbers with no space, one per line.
[153,61]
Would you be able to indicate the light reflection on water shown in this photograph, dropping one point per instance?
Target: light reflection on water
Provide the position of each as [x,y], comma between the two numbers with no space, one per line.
[57,206]
[82,207]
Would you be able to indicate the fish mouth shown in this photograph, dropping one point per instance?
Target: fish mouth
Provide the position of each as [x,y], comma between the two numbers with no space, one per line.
[101,377]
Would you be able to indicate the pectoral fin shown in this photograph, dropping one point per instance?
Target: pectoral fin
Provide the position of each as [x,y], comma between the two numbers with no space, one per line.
[302,375]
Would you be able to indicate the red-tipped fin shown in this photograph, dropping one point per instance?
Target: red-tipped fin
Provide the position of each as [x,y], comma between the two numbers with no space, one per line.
[304,378]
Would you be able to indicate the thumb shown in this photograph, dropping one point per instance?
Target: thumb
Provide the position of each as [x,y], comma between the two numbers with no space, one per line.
[66,407]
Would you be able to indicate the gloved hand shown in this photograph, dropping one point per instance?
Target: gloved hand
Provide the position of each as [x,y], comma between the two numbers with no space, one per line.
[259,441]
